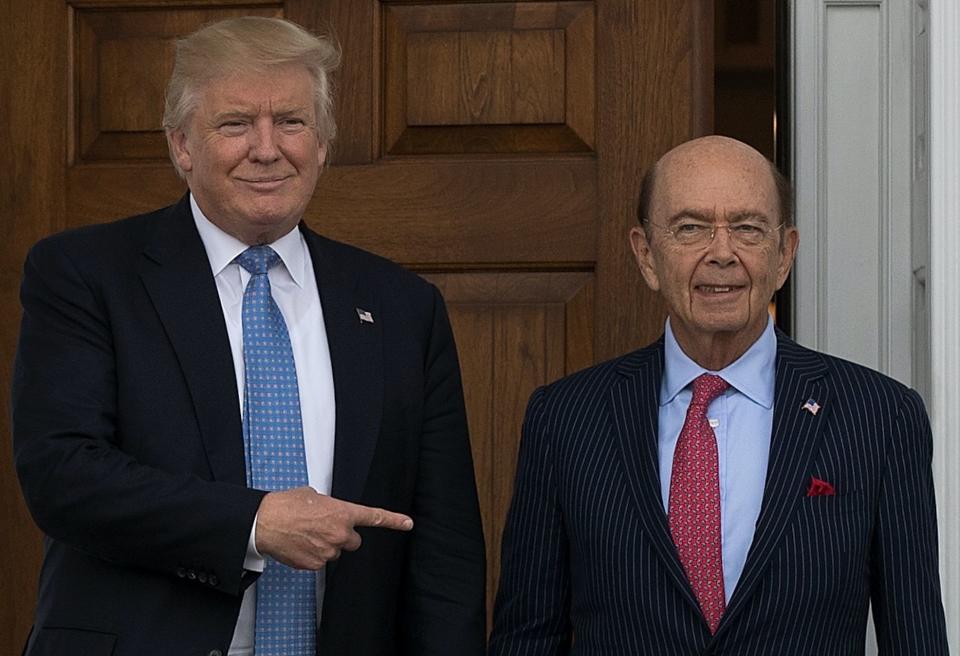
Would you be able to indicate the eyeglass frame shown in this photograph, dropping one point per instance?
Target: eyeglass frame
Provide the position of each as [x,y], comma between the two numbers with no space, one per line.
[713,233]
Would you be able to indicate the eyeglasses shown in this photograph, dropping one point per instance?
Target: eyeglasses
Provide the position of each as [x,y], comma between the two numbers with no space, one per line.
[696,233]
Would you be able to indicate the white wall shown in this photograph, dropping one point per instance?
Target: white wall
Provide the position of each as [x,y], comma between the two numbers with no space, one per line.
[944,283]
[853,162]
[875,275]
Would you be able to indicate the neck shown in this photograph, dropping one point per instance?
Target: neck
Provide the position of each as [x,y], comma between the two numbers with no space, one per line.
[716,351]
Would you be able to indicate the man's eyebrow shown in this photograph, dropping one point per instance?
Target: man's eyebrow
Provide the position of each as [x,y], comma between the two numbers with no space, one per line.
[248,112]
[289,110]
[690,213]
[746,215]
[231,114]
[708,216]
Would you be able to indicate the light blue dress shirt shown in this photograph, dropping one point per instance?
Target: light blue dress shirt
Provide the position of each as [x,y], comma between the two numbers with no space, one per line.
[742,419]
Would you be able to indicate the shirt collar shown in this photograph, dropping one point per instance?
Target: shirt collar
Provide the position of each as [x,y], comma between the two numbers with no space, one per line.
[752,374]
[223,248]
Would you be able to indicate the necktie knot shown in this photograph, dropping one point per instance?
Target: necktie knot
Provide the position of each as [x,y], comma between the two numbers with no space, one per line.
[258,260]
[706,388]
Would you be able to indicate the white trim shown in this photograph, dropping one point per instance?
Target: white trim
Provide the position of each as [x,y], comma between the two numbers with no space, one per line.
[945,293]
[852,171]
[807,140]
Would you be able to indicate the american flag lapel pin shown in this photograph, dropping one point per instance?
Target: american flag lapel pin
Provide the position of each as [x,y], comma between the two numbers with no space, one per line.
[365,316]
[812,407]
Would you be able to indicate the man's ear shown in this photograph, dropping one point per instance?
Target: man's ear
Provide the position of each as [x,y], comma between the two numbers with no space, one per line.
[321,155]
[788,250]
[644,256]
[177,141]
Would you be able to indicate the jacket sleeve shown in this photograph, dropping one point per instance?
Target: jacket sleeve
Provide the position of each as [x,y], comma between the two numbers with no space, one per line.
[905,583]
[445,580]
[532,611]
[83,484]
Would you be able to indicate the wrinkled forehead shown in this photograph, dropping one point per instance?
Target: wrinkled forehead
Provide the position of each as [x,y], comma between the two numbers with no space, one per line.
[288,75]
[284,84]
[715,179]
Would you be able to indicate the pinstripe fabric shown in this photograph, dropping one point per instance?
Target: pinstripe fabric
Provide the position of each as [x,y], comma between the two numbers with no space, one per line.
[587,551]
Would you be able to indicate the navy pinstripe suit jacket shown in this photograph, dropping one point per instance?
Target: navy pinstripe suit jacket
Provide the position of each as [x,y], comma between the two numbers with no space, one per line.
[589,567]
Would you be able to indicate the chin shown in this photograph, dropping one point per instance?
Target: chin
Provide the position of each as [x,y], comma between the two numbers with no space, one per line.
[724,328]
[270,215]
[724,322]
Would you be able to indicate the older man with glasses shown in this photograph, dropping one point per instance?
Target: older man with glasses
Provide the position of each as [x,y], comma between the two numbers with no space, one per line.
[724,490]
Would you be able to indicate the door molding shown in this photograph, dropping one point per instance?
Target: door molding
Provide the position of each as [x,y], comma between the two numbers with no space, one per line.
[945,295]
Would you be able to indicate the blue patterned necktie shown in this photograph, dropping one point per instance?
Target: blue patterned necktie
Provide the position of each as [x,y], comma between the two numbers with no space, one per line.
[273,438]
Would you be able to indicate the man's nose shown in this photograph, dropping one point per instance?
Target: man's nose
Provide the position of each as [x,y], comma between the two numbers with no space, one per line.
[721,249]
[263,142]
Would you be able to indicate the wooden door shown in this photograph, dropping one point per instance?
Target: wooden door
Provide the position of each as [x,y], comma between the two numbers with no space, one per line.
[494,147]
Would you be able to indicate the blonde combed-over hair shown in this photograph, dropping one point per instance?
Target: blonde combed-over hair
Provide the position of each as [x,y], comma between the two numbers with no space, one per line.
[249,44]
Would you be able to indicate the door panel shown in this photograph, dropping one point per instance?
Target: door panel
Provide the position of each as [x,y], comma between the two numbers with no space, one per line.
[516,331]
[489,78]
[494,147]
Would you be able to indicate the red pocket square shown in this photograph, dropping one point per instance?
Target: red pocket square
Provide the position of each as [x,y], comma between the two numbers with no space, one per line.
[820,488]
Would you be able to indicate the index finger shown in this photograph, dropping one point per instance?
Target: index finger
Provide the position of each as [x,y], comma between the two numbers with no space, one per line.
[380,518]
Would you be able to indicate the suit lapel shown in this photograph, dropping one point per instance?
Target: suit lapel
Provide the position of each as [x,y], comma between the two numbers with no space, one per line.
[794,441]
[356,354]
[176,273]
[634,407]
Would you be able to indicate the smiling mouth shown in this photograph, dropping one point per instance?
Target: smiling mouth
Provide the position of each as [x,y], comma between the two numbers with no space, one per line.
[265,185]
[718,289]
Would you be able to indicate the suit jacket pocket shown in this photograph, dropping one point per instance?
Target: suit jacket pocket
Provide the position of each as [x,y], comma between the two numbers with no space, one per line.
[842,504]
[55,641]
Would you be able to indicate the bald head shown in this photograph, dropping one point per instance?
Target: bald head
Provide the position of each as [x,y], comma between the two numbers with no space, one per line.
[714,246]
[694,157]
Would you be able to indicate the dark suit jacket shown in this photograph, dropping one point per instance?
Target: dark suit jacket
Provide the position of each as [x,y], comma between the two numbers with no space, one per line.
[127,442]
[587,552]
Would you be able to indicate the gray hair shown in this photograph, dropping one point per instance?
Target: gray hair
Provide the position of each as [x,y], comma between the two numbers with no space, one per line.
[249,43]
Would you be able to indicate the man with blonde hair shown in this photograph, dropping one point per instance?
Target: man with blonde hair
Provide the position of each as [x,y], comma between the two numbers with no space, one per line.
[240,437]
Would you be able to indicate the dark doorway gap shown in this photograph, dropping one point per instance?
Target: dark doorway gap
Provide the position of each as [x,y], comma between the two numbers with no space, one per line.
[751,91]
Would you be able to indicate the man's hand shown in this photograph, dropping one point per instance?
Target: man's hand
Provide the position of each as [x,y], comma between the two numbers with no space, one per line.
[304,529]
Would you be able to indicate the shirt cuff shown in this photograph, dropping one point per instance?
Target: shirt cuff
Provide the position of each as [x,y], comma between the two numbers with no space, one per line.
[253,562]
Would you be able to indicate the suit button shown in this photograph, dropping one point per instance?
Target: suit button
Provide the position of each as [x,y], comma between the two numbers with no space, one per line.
[214,652]
[202,577]
[191,575]
[213,580]
[181,572]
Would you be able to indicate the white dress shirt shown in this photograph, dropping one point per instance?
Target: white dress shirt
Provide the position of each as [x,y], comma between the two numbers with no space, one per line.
[294,288]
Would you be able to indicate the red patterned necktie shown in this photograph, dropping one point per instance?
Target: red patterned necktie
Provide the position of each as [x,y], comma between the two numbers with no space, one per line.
[694,508]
